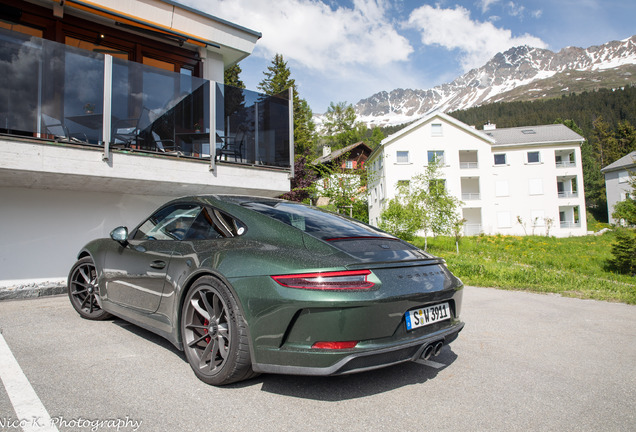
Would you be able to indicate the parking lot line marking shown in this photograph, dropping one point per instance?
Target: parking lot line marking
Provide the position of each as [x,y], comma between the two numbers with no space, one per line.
[31,414]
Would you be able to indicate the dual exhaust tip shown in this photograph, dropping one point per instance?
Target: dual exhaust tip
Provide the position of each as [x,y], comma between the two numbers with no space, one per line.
[432,350]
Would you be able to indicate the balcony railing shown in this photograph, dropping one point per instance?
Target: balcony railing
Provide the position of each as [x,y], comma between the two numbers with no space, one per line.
[569,224]
[472,229]
[468,165]
[568,194]
[470,196]
[565,164]
[58,92]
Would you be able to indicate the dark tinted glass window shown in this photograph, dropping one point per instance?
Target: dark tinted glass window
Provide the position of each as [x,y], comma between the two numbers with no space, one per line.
[500,159]
[168,223]
[533,157]
[313,221]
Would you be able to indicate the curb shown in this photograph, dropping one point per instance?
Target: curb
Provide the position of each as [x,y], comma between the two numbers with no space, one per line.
[32,291]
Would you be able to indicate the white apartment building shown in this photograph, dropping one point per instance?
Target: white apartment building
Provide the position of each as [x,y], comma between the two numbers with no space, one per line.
[513,181]
[617,186]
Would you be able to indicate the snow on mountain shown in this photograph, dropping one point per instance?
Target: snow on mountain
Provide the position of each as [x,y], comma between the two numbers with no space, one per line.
[517,67]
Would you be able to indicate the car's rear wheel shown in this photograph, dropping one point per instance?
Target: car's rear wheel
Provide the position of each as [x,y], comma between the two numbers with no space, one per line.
[84,292]
[214,334]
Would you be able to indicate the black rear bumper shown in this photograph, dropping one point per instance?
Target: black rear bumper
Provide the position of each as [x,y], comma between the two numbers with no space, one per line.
[371,359]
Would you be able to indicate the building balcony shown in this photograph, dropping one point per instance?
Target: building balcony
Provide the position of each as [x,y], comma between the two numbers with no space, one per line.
[72,115]
[565,158]
[470,188]
[468,159]
[568,194]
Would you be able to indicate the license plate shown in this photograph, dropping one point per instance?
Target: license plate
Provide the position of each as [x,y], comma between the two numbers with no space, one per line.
[426,316]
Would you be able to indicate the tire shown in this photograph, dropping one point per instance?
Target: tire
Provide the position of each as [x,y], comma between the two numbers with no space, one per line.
[83,290]
[214,334]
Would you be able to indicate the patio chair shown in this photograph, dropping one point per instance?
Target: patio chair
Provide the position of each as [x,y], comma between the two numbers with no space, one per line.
[61,132]
[167,146]
[127,132]
[233,146]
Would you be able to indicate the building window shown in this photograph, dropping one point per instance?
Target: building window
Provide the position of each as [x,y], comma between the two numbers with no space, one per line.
[402,157]
[381,192]
[533,157]
[623,177]
[500,159]
[436,130]
[403,183]
[535,186]
[436,156]
[349,164]
[501,188]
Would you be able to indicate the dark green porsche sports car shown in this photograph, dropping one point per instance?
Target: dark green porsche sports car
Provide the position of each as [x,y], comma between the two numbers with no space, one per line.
[246,285]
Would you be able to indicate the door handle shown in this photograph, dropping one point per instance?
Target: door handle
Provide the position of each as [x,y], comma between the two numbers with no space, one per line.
[158,264]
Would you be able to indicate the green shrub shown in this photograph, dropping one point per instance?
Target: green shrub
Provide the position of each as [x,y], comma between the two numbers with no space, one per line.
[624,252]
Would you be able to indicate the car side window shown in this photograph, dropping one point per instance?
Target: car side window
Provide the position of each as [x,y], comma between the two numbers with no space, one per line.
[168,223]
[212,224]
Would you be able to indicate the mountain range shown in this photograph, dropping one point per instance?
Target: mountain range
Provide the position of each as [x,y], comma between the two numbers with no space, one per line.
[520,73]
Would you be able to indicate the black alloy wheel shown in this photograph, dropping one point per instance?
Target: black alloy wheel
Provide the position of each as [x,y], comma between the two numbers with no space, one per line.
[214,334]
[83,290]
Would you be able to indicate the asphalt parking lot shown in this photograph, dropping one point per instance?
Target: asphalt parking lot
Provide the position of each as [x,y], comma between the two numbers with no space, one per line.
[524,362]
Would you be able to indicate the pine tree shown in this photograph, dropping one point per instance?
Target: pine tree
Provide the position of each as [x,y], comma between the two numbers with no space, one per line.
[341,127]
[605,143]
[278,80]
[277,77]
[626,137]
[231,77]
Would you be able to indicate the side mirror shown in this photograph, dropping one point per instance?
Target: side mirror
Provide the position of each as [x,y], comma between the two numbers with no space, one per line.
[120,234]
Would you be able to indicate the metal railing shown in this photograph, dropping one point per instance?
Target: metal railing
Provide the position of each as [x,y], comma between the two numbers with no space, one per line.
[468,165]
[567,194]
[471,196]
[472,229]
[62,93]
[565,164]
[569,224]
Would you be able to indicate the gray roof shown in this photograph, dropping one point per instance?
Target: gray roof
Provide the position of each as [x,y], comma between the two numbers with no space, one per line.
[626,161]
[544,134]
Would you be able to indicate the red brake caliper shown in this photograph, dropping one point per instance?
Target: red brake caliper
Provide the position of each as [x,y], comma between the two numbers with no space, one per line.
[206,323]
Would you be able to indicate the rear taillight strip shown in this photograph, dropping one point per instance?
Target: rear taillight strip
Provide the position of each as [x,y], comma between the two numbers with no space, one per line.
[340,280]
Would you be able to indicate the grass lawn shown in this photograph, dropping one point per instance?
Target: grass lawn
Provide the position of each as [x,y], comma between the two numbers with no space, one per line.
[574,267]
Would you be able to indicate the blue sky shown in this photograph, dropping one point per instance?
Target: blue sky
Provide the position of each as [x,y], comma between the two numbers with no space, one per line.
[347,50]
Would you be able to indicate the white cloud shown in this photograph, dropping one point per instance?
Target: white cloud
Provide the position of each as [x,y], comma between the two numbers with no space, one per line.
[454,30]
[515,9]
[311,34]
[485,4]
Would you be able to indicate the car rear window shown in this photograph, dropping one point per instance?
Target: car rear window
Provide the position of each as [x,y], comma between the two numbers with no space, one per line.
[313,221]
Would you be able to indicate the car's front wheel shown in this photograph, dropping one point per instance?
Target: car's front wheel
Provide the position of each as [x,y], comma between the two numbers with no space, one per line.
[214,334]
[84,292]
